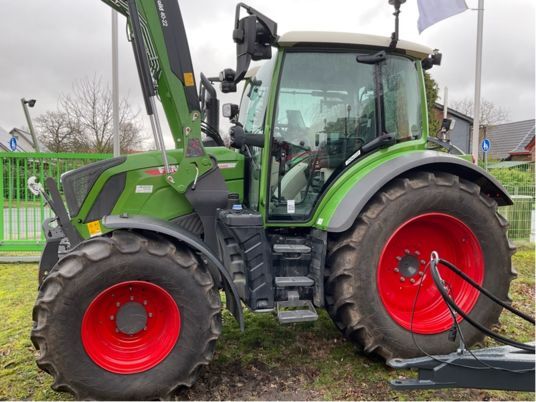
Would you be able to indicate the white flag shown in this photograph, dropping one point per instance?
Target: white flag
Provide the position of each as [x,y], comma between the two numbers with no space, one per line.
[432,11]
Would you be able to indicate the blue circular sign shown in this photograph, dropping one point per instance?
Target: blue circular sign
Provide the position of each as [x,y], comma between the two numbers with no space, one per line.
[485,145]
[13,143]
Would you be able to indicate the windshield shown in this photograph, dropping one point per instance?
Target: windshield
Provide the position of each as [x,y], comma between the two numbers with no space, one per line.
[328,107]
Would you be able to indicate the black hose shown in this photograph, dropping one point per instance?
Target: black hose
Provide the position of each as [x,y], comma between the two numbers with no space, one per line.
[457,271]
[439,284]
[212,133]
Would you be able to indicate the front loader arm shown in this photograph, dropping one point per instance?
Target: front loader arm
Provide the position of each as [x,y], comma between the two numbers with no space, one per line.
[165,69]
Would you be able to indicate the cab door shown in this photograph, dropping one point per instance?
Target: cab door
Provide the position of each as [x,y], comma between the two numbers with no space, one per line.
[327,106]
[253,110]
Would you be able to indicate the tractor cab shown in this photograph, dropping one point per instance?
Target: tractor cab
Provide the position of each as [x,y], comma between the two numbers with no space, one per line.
[324,101]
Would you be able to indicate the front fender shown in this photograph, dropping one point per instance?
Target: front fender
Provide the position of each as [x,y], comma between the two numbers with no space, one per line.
[166,228]
[355,199]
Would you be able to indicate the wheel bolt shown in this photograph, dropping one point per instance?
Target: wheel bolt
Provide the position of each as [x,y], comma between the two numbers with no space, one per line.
[145,328]
[111,318]
[131,298]
[145,302]
[406,251]
[150,315]
[117,330]
[398,258]
[117,304]
[421,273]
[417,252]
[397,270]
[423,262]
[402,279]
[412,280]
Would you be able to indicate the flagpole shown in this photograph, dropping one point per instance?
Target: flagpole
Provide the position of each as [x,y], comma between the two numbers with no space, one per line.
[115,85]
[478,76]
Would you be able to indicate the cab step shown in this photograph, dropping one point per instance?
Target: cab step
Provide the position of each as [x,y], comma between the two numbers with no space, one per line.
[295,310]
[293,281]
[292,248]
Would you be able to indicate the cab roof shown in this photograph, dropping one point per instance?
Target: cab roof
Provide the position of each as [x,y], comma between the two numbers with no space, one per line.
[294,38]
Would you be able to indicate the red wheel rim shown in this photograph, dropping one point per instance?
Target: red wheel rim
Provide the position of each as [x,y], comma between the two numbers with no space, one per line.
[130,327]
[401,271]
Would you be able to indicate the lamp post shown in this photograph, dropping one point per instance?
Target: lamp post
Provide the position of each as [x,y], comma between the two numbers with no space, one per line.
[25,104]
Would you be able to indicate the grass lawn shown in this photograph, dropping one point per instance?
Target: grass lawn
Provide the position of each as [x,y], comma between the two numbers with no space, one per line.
[268,361]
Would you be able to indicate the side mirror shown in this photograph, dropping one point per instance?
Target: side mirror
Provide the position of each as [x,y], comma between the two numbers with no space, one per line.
[254,36]
[239,138]
[227,80]
[230,110]
[432,60]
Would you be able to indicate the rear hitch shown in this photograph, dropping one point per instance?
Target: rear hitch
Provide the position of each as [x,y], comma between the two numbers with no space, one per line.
[502,368]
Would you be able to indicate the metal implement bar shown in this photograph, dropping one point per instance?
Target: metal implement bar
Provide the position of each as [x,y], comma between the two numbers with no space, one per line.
[56,203]
[502,368]
[159,138]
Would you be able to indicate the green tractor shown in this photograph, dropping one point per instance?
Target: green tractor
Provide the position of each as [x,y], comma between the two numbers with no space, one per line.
[330,196]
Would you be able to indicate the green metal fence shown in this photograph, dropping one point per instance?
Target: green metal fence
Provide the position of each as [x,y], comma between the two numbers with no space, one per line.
[22,212]
[518,179]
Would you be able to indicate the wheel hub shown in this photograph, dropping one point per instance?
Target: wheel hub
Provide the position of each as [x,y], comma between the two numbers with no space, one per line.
[131,318]
[409,265]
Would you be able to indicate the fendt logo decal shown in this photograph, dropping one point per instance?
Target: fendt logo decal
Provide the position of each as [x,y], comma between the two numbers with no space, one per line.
[162,170]
[162,13]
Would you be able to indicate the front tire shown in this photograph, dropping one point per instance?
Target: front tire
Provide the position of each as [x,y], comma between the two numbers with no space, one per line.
[126,317]
[377,268]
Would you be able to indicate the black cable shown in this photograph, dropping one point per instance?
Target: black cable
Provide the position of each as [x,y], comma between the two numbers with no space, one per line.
[212,133]
[413,333]
[485,365]
[480,327]
[457,271]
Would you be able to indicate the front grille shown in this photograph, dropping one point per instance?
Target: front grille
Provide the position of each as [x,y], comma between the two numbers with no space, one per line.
[77,183]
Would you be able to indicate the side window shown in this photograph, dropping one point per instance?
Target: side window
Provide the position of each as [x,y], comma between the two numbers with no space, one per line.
[255,99]
[401,96]
[252,116]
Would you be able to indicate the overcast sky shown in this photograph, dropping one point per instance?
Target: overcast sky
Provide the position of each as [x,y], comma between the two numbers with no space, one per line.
[46,45]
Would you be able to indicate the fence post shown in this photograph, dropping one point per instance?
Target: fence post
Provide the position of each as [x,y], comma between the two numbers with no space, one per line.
[532,225]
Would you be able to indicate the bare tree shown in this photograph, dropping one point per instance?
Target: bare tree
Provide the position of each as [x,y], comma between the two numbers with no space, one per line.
[490,113]
[84,121]
[57,132]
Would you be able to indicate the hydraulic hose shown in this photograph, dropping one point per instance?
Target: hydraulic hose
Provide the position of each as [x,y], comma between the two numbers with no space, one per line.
[446,297]
[507,306]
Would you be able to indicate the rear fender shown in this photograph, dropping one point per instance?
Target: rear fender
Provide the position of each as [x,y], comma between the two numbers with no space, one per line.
[353,202]
[169,229]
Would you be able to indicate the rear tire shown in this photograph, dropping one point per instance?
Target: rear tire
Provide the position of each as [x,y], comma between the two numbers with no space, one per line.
[376,266]
[80,304]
